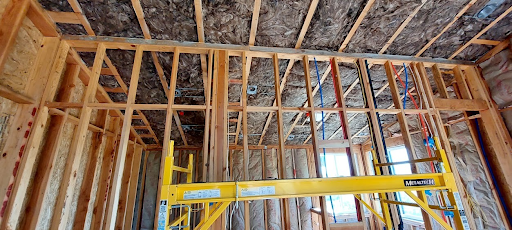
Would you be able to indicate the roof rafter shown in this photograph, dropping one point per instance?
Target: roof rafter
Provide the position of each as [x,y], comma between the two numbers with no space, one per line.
[302,34]
[483,31]
[386,46]
[356,25]
[137,7]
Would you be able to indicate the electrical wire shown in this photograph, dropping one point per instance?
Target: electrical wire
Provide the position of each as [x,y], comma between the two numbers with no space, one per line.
[420,116]
[313,116]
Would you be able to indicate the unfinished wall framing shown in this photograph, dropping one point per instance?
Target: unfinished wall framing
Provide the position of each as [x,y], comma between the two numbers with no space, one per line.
[80,130]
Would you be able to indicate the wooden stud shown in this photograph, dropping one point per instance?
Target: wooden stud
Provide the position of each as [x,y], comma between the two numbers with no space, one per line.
[316,152]
[142,188]
[125,186]
[245,116]
[107,168]
[221,117]
[280,134]
[482,32]
[49,153]
[462,84]
[404,127]
[10,24]
[86,191]
[20,151]
[438,79]
[208,94]
[168,124]
[10,94]
[498,48]
[461,12]
[356,25]
[132,190]
[123,143]
[254,22]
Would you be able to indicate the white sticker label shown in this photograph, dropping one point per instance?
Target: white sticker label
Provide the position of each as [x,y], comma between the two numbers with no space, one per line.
[201,194]
[462,213]
[162,214]
[258,191]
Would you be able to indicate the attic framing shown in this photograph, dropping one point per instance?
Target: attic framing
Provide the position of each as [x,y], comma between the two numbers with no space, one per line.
[473,98]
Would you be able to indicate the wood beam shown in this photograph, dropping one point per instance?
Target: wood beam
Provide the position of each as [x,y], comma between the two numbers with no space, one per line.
[280,133]
[316,152]
[10,24]
[8,93]
[65,17]
[461,12]
[305,26]
[88,43]
[482,32]
[402,27]
[83,19]
[486,42]
[498,48]
[123,143]
[356,25]
[107,168]
[132,190]
[122,211]
[86,190]
[41,20]
[168,125]
[254,21]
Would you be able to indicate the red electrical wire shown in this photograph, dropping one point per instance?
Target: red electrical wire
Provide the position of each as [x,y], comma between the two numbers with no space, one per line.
[424,128]
[344,131]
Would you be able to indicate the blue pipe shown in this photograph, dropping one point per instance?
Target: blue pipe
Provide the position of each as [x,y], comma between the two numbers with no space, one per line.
[406,80]
[313,116]
[500,195]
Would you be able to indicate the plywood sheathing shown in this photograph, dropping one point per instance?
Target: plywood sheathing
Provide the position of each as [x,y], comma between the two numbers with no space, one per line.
[16,71]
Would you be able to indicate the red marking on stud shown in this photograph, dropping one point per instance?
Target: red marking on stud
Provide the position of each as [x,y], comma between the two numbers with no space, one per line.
[30,123]
[34,110]
[307,114]
[181,113]
[26,133]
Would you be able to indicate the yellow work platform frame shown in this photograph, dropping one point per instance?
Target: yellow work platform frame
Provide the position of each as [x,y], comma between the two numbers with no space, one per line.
[221,194]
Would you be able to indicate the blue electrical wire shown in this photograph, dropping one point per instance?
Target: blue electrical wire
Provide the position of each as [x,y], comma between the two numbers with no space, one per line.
[406,78]
[312,116]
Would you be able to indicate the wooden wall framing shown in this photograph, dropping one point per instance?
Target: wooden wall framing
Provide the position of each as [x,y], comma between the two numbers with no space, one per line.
[118,170]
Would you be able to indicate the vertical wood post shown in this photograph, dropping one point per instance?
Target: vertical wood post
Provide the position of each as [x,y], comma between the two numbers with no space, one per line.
[123,143]
[314,136]
[106,174]
[45,76]
[168,127]
[10,24]
[404,128]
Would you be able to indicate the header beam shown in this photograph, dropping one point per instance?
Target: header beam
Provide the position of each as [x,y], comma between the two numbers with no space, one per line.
[89,43]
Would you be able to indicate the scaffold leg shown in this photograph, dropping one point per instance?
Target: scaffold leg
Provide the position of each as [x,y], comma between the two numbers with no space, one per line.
[427,209]
[215,214]
[370,208]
